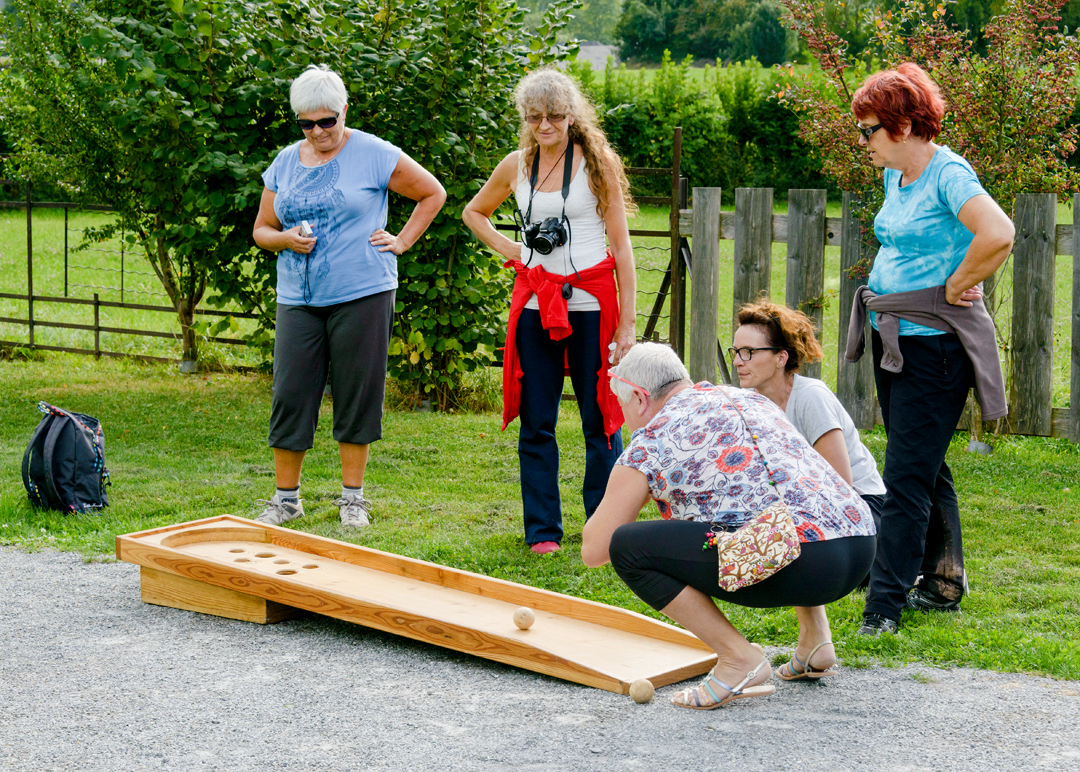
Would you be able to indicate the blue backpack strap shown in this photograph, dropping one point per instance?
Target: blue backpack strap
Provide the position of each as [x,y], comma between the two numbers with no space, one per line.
[35,494]
[51,490]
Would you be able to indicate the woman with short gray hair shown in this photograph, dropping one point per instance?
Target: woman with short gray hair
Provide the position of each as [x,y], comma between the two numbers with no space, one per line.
[324,212]
[712,457]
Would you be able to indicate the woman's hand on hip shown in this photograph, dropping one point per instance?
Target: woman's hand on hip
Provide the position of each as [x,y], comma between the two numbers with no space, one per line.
[388,242]
[298,243]
[964,298]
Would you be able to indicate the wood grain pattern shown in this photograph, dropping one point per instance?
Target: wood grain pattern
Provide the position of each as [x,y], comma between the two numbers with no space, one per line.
[854,380]
[578,640]
[165,589]
[753,246]
[701,359]
[1032,344]
[806,260]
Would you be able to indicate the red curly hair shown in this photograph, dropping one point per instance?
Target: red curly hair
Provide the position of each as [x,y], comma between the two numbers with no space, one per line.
[899,97]
[784,328]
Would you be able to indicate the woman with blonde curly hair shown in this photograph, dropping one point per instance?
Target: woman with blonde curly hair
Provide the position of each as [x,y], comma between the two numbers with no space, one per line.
[566,310]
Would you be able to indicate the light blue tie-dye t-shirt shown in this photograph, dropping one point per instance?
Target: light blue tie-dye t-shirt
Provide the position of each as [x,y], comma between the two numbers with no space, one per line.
[922,239]
[344,201]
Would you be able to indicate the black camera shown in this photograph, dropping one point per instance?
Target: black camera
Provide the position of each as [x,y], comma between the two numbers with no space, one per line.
[545,236]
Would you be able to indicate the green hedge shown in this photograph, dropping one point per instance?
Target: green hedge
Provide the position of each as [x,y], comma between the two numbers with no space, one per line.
[735,134]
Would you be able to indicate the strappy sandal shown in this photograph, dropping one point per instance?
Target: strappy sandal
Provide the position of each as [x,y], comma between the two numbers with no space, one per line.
[703,697]
[807,672]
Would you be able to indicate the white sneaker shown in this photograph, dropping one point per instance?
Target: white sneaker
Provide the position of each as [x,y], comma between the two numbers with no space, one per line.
[354,510]
[278,511]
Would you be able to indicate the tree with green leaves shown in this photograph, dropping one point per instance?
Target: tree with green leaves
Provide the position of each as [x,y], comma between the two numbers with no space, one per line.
[163,112]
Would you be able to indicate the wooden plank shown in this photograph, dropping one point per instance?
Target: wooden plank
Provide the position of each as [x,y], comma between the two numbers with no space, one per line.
[1065,238]
[1032,344]
[579,640]
[677,292]
[1074,385]
[854,381]
[806,260]
[753,246]
[165,589]
[833,227]
[705,286]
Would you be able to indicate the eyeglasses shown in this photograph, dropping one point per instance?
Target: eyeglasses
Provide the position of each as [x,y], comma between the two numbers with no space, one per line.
[746,353]
[642,389]
[553,119]
[867,131]
[322,123]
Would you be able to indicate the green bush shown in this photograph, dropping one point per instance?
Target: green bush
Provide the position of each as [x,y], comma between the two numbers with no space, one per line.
[735,134]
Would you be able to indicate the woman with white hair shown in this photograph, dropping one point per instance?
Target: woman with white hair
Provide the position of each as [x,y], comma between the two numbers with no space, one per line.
[324,211]
[566,311]
[712,457]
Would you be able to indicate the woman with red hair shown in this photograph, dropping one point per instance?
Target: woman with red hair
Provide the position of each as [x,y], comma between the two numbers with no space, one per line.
[941,234]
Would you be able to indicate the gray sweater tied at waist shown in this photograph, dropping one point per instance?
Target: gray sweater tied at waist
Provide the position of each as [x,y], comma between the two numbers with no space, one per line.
[929,307]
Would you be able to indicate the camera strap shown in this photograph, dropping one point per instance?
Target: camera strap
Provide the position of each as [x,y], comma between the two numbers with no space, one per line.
[568,171]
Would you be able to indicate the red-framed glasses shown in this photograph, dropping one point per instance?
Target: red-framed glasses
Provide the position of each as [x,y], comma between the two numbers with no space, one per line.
[642,389]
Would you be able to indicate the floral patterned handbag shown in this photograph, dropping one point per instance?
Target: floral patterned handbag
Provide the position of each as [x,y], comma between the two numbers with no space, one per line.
[761,546]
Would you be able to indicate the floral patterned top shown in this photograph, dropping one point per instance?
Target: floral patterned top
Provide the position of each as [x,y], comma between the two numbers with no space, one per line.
[698,458]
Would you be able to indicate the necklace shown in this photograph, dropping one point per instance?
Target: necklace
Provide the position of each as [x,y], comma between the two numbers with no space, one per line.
[554,166]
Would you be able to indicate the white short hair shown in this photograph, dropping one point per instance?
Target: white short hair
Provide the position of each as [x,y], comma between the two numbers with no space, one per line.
[318,88]
[651,366]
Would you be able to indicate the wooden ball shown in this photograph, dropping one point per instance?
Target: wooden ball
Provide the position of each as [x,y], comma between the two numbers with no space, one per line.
[641,691]
[524,617]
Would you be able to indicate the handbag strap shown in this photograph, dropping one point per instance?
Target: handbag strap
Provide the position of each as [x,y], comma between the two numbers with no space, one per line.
[753,437]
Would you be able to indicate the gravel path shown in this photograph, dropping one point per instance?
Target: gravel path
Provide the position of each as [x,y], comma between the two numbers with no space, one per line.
[93,679]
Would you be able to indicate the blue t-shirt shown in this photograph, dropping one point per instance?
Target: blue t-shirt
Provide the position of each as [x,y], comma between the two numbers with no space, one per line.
[344,201]
[922,240]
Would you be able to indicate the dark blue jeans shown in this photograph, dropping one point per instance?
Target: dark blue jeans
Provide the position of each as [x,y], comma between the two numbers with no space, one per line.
[920,519]
[541,391]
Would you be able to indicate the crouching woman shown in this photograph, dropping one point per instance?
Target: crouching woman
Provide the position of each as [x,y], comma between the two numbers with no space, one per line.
[712,457]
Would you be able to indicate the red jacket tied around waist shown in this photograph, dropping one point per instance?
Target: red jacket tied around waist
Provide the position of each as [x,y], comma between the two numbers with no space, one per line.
[598,281]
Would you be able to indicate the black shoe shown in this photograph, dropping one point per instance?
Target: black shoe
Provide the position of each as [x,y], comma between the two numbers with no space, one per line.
[875,624]
[927,600]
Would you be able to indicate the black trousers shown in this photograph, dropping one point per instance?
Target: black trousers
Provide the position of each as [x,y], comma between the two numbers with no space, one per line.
[920,519]
[658,559]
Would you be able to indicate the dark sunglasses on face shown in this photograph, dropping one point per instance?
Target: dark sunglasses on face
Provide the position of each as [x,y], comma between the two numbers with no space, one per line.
[322,123]
[867,131]
[536,120]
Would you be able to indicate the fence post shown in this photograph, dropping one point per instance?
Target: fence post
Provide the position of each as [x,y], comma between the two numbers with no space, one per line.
[30,260]
[1074,399]
[1031,390]
[677,318]
[65,251]
[806,260]
[705,285]
[753,246]
[854,380]
[97,327]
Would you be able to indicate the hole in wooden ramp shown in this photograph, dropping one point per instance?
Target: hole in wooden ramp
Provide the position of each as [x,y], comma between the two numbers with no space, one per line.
[310,565]
[264,554]
[286,572]
[236,550]
[242,560]
[281,562]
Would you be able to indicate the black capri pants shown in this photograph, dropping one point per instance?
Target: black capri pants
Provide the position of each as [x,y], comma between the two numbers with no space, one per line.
[659,558]
[353,337]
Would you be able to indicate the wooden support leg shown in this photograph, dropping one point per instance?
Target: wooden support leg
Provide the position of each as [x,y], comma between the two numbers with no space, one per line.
[164,589]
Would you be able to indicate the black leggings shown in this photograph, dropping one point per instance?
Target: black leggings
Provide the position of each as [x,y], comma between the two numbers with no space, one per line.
[658,558]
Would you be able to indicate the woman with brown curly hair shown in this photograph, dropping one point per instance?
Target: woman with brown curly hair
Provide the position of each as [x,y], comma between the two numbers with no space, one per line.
[770,345]
[566,312]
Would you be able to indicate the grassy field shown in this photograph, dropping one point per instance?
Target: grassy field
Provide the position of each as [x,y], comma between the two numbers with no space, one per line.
[97,270]
[445,488]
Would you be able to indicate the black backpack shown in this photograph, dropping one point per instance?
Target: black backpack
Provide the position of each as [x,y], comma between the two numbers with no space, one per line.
[64,464]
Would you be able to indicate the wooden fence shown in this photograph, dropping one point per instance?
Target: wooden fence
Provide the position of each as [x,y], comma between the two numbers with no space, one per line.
[806,230]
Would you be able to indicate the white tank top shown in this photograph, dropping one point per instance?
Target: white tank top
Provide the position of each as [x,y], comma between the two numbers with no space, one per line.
[586,244]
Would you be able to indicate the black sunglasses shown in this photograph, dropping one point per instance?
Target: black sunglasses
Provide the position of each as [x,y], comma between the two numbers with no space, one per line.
[867,131]
[322,123]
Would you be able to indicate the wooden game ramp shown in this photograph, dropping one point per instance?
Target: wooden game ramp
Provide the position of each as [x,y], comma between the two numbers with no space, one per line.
[242,569]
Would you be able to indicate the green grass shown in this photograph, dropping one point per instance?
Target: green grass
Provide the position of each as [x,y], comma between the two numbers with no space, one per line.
[445,488]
